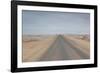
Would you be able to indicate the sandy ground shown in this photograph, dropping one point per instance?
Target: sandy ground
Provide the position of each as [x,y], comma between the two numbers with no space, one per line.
[33,48]
[80,42]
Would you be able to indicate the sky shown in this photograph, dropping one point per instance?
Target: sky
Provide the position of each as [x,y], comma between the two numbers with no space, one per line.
[50,22]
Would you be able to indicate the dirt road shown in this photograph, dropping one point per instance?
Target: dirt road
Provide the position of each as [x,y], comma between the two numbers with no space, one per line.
[63,49]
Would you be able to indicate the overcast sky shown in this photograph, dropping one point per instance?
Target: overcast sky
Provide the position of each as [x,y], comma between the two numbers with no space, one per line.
[44,22]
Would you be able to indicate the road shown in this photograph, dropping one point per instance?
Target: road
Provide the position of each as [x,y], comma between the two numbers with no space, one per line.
[63,49]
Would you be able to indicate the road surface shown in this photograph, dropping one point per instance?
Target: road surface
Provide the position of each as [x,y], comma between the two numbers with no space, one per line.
[63,49]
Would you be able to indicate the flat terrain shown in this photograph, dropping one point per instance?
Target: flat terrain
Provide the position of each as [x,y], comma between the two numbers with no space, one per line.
[57,47]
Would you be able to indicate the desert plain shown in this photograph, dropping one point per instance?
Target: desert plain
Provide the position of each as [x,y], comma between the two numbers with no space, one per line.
[55,47]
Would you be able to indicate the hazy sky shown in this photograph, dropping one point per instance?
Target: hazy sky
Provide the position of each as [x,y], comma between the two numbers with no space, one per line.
[44,22]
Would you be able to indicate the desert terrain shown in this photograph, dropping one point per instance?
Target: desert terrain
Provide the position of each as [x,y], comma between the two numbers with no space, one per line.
[55,47]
